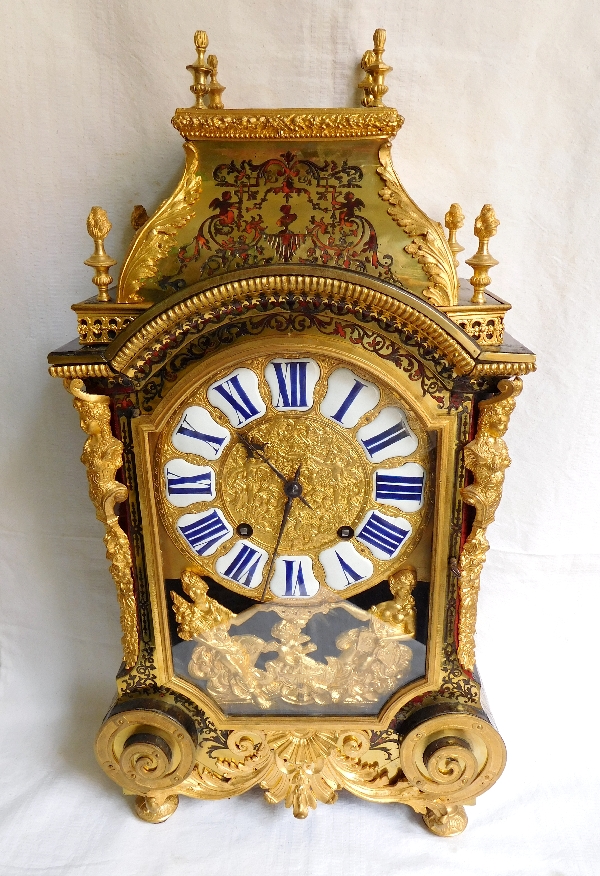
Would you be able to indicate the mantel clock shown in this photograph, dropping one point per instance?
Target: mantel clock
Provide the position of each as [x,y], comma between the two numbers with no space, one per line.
[295,414]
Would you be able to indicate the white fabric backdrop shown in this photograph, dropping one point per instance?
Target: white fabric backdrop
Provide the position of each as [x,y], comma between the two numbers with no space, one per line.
[501,102]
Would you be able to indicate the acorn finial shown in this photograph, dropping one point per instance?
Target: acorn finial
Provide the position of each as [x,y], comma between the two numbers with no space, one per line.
[98,226]
[453,220]
[485,227]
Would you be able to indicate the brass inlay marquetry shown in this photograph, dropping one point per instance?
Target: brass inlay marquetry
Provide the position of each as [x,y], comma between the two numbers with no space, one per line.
[156,331]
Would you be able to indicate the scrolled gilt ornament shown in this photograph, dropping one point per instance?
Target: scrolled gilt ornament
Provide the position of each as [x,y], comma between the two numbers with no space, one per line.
[158,233]
[487,457]
[202,613]
[450,758]
[443,761]
[429,245]
[103,456]
[148,750]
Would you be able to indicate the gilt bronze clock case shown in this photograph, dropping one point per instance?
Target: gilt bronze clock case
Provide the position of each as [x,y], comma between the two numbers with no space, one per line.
[295,414]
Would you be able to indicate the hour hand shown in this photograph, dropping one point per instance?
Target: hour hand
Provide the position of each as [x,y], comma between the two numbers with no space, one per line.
[256,450]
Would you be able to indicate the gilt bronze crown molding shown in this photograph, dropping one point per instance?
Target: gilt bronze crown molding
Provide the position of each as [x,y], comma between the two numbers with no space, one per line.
[303,124]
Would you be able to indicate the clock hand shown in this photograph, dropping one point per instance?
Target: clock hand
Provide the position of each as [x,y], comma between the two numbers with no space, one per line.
[286,514]
[256,450]
[293,490]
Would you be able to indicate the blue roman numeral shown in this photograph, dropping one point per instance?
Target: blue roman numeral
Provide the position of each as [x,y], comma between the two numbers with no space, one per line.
[382,535]
[389,436]
[294,583]
[188,430]
[204,533]
[345,405]
[243,566]
[236,396]
[178,485]
[398,487]
[291,383]
[350,574]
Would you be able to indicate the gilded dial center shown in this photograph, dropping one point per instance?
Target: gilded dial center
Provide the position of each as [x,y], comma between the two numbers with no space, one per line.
[333,474]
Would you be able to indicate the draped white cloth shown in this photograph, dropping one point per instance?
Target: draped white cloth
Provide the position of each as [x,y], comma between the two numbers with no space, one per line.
[501,102]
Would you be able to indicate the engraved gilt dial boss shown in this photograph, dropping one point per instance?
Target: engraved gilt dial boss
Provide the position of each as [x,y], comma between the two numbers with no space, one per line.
[291,476]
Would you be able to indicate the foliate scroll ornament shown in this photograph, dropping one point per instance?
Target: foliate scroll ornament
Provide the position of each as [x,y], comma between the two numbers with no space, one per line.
[157,235]
[103,456]
[487,330]
[442,762]
[428,245]
[300,767]
[487,457]
[202,613]
[101,328]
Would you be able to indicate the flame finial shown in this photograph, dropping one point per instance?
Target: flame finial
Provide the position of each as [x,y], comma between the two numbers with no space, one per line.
[200,70]
[453,220]
[98,226]
[485,227]
[376,70]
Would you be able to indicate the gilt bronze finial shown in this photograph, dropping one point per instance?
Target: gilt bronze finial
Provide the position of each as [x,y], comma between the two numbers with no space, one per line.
[453,220]
[200,70]
[98,226]
[215,89]
[376,70]
[485,227]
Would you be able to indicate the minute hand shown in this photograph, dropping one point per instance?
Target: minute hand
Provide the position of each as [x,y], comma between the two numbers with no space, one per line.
[284,520]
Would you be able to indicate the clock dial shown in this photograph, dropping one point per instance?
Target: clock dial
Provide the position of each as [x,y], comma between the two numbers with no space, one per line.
[294,475]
